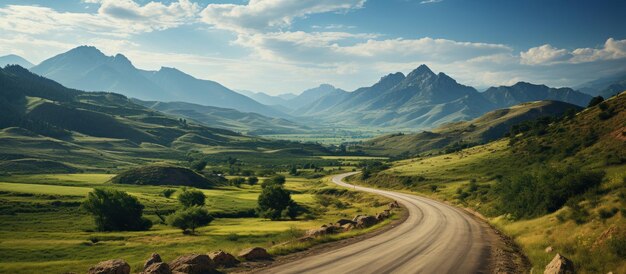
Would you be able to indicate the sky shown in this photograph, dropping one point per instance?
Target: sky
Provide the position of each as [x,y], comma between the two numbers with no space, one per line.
[287,46]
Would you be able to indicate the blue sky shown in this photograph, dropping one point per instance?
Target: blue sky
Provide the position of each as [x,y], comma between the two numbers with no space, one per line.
[279,46]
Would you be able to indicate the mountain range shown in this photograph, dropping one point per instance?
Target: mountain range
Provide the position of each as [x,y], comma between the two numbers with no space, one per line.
[423,99]
[87,68]
[419,100]
[13,59]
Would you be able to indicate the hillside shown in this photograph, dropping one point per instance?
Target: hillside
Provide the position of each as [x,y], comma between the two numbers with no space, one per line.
[557,183]
[43,121]
[13,59]
[87,68]
[505,96]
[249,123]
[490,126]
[166,176]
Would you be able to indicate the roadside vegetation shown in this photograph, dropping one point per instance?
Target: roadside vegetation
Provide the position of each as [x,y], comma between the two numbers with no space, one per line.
[554,183]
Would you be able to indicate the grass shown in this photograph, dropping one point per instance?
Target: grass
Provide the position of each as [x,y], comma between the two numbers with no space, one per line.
[43,229]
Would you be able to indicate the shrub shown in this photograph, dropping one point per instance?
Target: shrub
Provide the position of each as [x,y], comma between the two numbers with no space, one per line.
[606,214]
[167,193]
[275,180]
[272,201]
[253,180]
[529,195]
[190,218]
[115,210]
[233,237]
[191,198]
[595,101]
[236,181]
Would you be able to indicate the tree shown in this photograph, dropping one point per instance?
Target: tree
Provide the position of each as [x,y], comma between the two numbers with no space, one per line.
[273,200]
[190,218]
[275,180]
[595,101]
[236,181]
[168,192]
[253,180]
[191,198]
[293,171]
[115,210]
[199,165]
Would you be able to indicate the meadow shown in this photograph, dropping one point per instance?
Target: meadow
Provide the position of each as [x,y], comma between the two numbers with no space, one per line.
[44,230]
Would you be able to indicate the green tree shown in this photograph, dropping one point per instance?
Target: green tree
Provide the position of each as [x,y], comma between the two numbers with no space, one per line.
[253,180]
[190,218]
[273,200]
[168,192]
[274,180]
[236,181]
[595,101]
[293,171]
[115,210]
[199,165]
[191,198]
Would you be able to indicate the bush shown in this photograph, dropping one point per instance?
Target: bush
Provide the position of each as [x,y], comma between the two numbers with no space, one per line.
[236,181]
[190,218]
[115,210]
[272,201]
[191,198]
[606,214]
[253,180]
[275,180]
[529,195]
[595,101]
[167,193]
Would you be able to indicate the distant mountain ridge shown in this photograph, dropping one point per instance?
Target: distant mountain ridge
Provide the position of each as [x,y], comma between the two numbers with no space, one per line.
[521,92]
[87,68]
[13,59]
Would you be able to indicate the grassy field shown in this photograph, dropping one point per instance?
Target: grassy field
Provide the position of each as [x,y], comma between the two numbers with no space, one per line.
[43,229]
[588,244]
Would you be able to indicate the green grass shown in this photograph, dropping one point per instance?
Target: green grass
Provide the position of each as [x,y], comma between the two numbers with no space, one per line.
[43,229]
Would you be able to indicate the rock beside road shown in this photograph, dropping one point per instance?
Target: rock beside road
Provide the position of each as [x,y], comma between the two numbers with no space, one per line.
[154,258]
[365,221]
[192,264]
[157,268]
[255,254]
[560,265]
[116,266]
[224,259]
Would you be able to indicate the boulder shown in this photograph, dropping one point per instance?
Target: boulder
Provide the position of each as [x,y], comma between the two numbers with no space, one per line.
[154,258]
[394,204]
[549,249]
[193,264]
[343,222]
[255,254]
[157,268]
[383,215]
[560,265]
[224,259]
[116,266]
[365,221]
[348,227]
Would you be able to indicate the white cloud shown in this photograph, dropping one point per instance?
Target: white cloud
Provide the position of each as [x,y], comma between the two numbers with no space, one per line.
[114,18]
[430,1]
[548,55]
[263,15]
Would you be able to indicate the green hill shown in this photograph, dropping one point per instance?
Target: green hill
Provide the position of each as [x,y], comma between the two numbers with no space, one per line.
[557,182]
[453,136]
[99,131]
[166,175]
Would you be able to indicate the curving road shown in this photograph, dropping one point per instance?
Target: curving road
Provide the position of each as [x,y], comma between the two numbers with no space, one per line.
[436,238]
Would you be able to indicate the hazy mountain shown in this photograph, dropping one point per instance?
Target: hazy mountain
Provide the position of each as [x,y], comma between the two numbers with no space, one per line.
[264,98]
[521,92]
[89,69]
[13,59]
[310,95]
[488,127]
[419,100]
[250,123]
[594,87]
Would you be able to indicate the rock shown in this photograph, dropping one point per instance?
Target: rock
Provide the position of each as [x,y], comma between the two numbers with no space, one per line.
[549,249]
[157,268]
[365,221]
[560,265]
[154,258]
[117,266]
[348,227]
[255,254]
[343,222]
[356,218]
[394,204]
[383,215]
[192,264]
[324,230]
[224,259]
